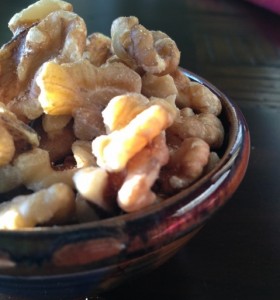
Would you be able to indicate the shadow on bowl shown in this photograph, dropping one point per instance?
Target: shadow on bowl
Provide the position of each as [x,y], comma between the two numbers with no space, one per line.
[75,261]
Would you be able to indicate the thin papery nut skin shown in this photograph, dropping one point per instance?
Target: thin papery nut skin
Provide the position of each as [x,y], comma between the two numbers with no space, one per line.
[98,49]
[91,183]
[208,127]
[36,12]
[7,146]
[142,171]
[187,163]
[55,204]
[113,151]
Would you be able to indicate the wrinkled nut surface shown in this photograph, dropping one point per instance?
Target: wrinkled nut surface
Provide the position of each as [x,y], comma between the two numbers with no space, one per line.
[92,121]
[36,12]
[141,173]
[61,35]
[37,173]
[114,150]
[205,126]
[153,51]
[98,49]
[67,87]
[15,131]
[187,163]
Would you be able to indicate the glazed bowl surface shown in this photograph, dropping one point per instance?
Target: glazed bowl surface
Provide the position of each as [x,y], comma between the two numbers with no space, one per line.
[75,261]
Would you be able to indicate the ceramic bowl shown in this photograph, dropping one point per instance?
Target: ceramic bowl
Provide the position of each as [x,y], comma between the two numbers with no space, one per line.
[71,262]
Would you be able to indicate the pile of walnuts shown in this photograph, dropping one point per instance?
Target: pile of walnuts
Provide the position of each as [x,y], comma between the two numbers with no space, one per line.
[93,121]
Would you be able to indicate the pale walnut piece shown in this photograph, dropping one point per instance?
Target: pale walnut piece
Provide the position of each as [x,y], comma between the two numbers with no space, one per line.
[53,205]
[36,12]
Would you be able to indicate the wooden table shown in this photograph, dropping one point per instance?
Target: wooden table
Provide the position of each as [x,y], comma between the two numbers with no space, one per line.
[236,46]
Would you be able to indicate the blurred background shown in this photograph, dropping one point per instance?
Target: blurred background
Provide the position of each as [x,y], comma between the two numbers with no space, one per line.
[236,46]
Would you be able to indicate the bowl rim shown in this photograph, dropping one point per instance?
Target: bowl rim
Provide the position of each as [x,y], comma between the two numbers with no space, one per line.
[239,134]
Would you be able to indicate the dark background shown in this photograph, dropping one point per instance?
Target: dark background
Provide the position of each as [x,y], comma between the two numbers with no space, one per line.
[236,46]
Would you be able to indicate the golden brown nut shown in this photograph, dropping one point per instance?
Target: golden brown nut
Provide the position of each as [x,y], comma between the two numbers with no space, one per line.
[98,49]
[60,36]
[53,205]
[67,87]
[187,163]
[141,173]
[204,100]
[122,109]
[195,95]
[121,39]
[158,86]
[114,150]
[205,126]
[36,12]
[153,51]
